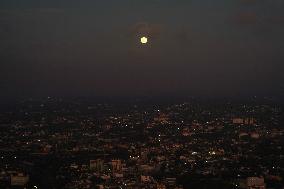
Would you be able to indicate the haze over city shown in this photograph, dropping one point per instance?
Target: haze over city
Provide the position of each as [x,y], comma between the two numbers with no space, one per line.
[142,94]
[91,48]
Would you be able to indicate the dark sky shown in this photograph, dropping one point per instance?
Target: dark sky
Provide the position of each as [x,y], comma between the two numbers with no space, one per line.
[91,47]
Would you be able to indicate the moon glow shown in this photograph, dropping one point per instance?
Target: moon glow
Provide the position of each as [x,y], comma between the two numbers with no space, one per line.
[144,40]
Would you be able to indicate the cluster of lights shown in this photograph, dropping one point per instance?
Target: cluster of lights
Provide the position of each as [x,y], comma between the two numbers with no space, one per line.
[133,157]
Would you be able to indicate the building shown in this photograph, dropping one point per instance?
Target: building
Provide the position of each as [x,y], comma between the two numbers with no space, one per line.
[116,166]
[97,165]
[238,121]
[145,178]
[19,179]
[255,183]
[162,118]
[249,121]
[245,121]
[161,186]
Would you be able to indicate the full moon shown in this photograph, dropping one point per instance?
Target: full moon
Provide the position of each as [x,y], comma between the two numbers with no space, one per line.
[144,40]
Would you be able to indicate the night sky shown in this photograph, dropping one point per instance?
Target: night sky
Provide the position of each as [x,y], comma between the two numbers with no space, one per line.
[91,48]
